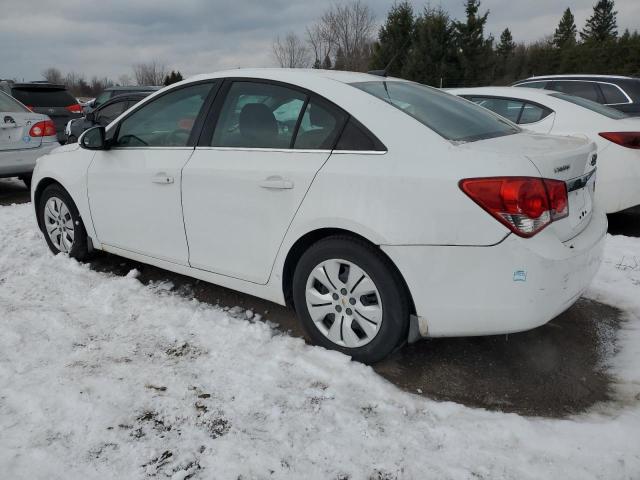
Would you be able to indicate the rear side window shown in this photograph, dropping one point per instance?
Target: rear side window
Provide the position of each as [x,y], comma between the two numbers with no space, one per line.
[449,116]
[533,84]
[533,113]
[505,107]
[9,105]
[319,127]
[258,115]
[357,137]
[42,97]
[612,94]
[588,90]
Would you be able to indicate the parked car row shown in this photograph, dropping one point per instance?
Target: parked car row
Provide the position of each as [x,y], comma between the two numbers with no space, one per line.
[382,210]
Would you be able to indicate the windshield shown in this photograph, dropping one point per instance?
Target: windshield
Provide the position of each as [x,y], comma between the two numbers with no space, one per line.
[9,105]
[590,105]
[449,116]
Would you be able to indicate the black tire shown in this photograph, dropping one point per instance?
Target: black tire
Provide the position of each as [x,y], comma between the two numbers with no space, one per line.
[395,300]
[26,179]
[79,248]
[71,139]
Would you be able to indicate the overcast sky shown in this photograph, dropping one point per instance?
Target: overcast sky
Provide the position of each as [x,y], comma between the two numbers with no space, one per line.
[107,37]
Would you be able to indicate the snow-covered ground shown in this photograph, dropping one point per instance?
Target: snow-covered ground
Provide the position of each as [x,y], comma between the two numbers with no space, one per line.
[102,377]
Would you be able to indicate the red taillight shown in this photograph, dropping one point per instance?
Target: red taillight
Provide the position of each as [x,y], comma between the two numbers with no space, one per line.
[625,139]
[75,108]
[30,107]
[525,205]
[43,129]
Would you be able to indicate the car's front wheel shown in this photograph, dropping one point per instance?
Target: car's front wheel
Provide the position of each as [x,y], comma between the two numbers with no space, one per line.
[350,298]
[61,223]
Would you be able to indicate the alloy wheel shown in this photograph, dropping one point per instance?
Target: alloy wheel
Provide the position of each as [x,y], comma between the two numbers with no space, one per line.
[59,224]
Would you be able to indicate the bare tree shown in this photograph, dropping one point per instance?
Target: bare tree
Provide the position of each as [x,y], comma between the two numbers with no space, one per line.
[52,75]
[291,52]
[150,73]
[321,38]
[124,80]
[352,28]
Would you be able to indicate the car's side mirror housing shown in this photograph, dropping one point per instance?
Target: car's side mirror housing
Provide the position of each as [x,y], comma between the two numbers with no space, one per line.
[94,139]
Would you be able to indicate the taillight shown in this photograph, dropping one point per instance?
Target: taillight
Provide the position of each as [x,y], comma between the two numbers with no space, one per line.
[43,129]
[75,108]
[525,205]
[625,139]
[30,107]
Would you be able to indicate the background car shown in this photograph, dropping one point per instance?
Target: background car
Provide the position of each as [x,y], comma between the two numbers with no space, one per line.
[24,136]
[544,111]
[49,99]
[382,210]
[109,93]
[621,93]
[103,115]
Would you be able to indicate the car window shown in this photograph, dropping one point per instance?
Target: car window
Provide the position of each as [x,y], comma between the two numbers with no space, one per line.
[42,97]
[258,115]
[355,137]
[9,105]
[533,113]
[448,115]
[319,127]
[110,112]
[507,108]
[588,90]
[593,106]
[541,84]
[103,97]
[166,121]
[612,94]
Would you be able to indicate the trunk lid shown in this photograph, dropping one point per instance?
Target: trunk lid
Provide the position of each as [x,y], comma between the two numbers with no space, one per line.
[570,159]
[14,130]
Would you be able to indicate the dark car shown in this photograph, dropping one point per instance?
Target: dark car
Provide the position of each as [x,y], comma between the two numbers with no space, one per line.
[103,115]
[621,93]
[46,98]
[108,93]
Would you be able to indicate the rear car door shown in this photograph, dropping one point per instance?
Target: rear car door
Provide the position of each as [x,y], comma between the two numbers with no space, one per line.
[261,148]
[134,187]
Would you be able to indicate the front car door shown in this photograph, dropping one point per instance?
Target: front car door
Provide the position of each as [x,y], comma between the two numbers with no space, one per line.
[134,187]
[259,152]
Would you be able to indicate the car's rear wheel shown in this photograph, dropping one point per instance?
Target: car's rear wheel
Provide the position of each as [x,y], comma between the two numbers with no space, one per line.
[350,298]
[61,223]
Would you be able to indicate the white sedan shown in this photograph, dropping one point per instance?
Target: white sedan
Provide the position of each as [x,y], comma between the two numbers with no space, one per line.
[381,210]
[546,111]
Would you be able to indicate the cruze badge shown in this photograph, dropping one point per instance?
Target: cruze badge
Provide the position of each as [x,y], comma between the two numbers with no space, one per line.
[561,169]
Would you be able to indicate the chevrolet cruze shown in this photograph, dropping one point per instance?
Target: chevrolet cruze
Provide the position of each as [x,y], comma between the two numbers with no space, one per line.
[381,210]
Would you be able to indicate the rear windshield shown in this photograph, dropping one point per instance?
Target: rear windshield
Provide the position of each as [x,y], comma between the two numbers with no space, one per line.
[41,97]
[449,116]
[590,105]
[9,105]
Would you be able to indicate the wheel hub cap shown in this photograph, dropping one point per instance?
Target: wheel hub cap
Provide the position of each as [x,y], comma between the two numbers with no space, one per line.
[344,303]
[59,224]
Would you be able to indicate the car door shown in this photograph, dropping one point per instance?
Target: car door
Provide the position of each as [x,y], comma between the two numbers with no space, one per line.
[261,148]
[134,187]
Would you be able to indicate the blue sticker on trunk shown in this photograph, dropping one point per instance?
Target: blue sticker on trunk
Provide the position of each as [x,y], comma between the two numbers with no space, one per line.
[520,276]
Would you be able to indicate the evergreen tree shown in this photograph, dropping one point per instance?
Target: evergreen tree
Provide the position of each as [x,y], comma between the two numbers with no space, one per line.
[506,46]
[340,63]
[601,26]
[394,39]
[474,51]
[565,34]
[431,59]
[326,63]
[172,77]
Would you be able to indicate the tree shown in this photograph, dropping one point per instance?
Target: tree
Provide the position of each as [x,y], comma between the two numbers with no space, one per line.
[124,80]
[52,75]
[394,39]
[506,46]
[601,26]
[565,34]
[431,59]
[321,38]
[150,73]
[474,51]
[173,77]
[290,52]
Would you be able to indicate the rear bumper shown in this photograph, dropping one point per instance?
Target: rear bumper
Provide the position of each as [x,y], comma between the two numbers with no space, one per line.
[516,285]
[17,162]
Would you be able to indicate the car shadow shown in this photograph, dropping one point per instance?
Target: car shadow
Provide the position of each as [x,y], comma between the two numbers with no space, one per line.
[555,370]
[13,191]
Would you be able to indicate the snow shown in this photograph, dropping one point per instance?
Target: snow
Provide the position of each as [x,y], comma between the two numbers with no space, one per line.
[103,377]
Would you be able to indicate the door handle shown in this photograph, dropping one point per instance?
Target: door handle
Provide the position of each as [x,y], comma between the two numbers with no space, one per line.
[162,178]
[276,183]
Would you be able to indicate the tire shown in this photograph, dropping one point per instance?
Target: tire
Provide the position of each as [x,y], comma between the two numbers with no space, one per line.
[71,139]
[371,324]
[26,179]
[76,244]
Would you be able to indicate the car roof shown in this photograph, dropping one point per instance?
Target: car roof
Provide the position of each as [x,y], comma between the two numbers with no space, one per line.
[532,94]
[124,97]
[138,88]
[580,76]
[39,85]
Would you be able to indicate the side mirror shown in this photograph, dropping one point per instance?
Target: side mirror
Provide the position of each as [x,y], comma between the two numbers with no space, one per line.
[90,116]
[94,139]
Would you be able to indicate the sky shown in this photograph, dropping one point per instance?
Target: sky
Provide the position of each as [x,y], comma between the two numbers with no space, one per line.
[105,38]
